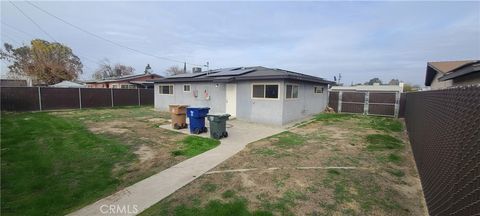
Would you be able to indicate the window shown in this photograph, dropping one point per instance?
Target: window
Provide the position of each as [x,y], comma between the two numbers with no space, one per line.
[317,89]
[291,91]
[186,88]
[114,86]
[165,89]
[127,86]
[265,91]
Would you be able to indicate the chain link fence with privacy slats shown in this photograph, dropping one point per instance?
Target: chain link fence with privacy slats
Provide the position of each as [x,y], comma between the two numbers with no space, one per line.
[444,131]
[46,98]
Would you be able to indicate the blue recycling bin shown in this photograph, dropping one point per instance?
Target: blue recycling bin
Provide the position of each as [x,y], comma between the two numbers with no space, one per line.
[197,115]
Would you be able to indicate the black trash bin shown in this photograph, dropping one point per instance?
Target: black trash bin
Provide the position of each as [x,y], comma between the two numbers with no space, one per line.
[218,125]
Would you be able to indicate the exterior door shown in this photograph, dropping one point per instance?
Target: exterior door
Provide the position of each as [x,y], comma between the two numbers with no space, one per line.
[231,100]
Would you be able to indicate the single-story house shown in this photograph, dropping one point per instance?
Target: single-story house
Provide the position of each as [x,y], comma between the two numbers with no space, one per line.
[129,81]
[69,84]
[255,94]
[452,73]
[376,87]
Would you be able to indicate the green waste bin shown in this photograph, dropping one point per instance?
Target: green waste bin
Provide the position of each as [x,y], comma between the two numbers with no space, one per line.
[218,125]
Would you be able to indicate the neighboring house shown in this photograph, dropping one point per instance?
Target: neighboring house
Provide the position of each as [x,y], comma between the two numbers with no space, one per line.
[255,94]
[376,87]
[130,81]
[13,83]
[69,84]
[452,73]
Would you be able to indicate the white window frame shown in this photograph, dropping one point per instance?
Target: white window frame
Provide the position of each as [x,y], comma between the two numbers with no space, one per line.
[321,87]
[264,91]
[160,87]
[298,91]
[189,87]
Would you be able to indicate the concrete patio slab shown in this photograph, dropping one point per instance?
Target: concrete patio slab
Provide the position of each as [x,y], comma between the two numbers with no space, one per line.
[140,196]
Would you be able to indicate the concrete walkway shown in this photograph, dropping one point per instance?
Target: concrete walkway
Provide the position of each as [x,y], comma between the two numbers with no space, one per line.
[140,196]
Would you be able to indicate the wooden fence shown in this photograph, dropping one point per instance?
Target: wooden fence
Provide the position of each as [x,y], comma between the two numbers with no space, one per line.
[45,98]
[368,103]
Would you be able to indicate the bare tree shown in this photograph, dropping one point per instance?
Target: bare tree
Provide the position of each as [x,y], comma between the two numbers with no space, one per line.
[174,70]
[105,70]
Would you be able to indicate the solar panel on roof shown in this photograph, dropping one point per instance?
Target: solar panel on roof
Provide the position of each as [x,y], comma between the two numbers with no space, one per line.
[186,75]
[235,72]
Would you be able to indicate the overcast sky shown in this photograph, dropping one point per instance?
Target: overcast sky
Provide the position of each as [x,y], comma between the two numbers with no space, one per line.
[360,40]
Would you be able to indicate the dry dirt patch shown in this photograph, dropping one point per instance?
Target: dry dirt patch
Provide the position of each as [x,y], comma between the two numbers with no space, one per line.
[385,183]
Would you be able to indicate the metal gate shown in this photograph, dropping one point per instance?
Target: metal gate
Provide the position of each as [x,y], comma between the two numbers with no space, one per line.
[367,103]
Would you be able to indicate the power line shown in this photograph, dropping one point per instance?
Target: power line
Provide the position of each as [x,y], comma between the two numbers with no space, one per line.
[10,38]
[24,14]
[19,30]
[31,35]
[108,40]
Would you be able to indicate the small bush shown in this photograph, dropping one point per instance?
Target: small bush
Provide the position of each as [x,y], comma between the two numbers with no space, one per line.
[379,142]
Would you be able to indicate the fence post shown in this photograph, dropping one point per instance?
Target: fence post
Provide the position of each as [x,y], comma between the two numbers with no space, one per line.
[397,104]
[80,98]
[340,93]
[138,96]
[365,103]
[111,95]
[39,98]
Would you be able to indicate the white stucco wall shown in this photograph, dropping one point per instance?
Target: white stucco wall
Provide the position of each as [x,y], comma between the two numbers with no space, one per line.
[215,100]
[260,110]
[436,84]
[307,103]
[266,111]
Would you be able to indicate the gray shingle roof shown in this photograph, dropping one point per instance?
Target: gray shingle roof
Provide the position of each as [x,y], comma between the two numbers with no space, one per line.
[243,74]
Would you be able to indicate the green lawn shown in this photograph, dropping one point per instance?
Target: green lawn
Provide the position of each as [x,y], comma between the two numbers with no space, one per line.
[194,145]
[52,164]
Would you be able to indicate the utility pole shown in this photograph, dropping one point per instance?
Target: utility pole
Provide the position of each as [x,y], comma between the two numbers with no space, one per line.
[184,67]
[208,66]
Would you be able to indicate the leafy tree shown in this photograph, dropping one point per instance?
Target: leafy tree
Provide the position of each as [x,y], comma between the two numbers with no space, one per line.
[394,82]
[374,80]
[174,70]
[42,61]
[410,88]
[106,70]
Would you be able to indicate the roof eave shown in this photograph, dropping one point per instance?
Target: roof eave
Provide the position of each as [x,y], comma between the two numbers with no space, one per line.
[463,71]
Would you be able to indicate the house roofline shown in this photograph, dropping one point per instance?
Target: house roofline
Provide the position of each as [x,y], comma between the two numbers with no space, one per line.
[122,78]
[235,79]
[461,71]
